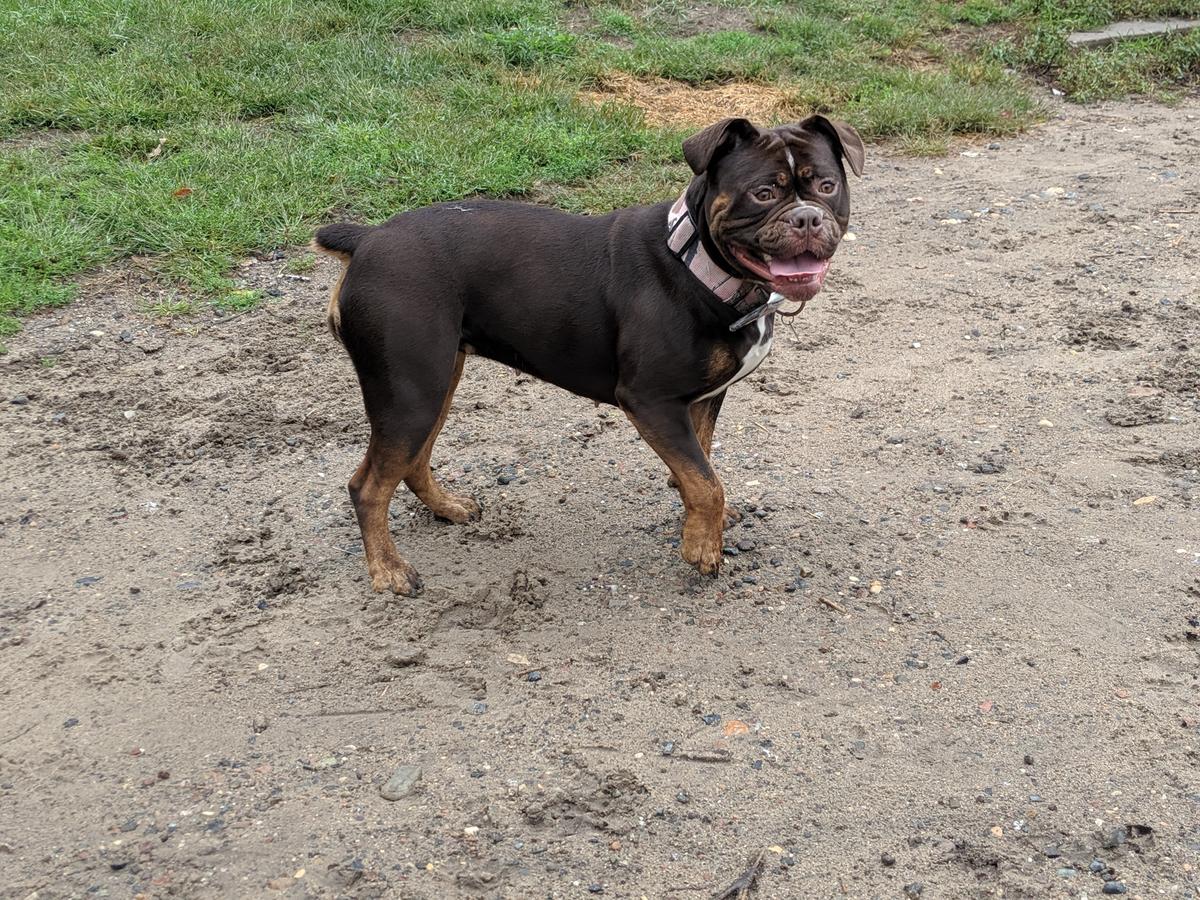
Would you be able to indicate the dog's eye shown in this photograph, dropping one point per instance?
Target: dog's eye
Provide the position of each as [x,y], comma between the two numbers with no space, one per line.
[828,186]
[764,194]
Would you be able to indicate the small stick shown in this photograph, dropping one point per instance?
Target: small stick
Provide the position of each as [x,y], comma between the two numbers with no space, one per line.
[742,885]
[832,604]
[716,755]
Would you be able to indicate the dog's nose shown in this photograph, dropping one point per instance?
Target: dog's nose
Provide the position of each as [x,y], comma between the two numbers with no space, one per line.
[806,218]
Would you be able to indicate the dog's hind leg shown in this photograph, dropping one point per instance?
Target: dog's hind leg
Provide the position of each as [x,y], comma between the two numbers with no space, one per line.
[406,397]
[371,491]
[420,480]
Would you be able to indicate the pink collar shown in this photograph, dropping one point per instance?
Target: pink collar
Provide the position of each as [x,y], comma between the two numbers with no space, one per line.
[684,241]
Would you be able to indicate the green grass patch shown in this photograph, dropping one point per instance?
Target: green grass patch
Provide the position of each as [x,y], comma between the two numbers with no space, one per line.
[194,132]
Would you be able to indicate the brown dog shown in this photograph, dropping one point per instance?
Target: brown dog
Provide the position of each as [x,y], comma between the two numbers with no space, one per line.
[657,309]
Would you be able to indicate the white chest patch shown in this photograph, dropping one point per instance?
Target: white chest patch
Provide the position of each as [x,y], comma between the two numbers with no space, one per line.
[754,356]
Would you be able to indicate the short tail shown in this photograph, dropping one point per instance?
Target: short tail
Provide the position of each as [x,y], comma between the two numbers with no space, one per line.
[341,238]
[338,240]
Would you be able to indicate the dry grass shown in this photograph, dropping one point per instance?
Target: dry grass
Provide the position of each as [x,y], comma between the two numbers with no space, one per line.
[674,104]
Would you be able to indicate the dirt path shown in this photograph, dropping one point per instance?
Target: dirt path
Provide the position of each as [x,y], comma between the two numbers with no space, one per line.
[959,646]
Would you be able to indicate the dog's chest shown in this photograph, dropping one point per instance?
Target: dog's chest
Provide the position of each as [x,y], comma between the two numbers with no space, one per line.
[753,356]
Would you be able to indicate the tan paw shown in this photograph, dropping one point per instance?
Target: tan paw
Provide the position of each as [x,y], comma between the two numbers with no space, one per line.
[702,551]
[457,509]
[398,577]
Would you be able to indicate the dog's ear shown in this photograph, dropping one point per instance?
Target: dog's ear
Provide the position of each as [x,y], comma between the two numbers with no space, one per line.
[700,150]
[845,139]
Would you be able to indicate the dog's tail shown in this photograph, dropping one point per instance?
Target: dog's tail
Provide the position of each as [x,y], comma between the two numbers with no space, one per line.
[339,240]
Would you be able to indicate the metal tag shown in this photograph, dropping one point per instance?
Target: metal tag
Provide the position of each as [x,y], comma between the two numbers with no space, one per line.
[773,303]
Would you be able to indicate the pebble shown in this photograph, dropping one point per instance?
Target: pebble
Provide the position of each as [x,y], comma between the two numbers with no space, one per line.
[405,655]
[595,888]
[534,676]
[913,889]
[887,859]
[1097,865]
[1114,887]
[668,747]
[71,722]
[19,400]
[401,783]
[710,719]
[745,545]
[1066,872]
[683,797]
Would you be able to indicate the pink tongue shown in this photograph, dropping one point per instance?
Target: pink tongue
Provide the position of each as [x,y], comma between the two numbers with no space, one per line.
[805,264]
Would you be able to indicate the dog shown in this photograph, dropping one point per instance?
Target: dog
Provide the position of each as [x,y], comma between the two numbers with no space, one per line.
[655,309]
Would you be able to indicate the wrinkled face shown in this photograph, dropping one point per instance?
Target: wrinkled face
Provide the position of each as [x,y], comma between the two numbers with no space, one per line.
[777,203]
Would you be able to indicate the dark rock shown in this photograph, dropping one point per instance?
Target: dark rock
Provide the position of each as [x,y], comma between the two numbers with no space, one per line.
[1114,887]
[914,889]
[887,859]
[683,797]
[745,545]
[534,676]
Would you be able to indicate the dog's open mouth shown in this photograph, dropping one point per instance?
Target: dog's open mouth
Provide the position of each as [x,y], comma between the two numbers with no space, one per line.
[797,277]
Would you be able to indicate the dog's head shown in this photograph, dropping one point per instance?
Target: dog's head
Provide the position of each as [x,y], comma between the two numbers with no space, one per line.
[774,203]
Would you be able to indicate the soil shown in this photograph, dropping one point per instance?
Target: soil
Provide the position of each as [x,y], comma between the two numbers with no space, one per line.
[954,652]
[676,104]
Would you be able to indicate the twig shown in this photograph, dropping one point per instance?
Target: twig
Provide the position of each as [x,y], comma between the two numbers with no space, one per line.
[832,604]
[1181,212]
[715,755]
[742,885]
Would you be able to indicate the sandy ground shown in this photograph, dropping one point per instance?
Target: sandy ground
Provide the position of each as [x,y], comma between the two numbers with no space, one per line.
[955,655]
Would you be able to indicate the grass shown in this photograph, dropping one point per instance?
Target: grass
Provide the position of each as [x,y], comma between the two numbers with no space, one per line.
[194,132]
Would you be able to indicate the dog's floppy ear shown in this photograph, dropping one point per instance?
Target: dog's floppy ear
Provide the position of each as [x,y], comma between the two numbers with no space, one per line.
[845,139]
[701,149]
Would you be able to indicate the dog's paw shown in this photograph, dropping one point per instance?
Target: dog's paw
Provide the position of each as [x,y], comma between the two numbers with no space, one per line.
[732,517]
[702,551]
[456,508]
[397,576]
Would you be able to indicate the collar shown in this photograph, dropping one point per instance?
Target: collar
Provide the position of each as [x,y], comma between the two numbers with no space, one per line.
[752,301]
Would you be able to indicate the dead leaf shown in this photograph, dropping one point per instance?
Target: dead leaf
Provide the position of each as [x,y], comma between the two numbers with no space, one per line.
[157,151]
[876,586]
[1145,501]
[937,685]
[181,193]
[735,726]
[986,706]
[518,659]
[1122,693]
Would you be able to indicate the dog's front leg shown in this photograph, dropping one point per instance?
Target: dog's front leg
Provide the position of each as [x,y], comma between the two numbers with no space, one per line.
[667,427]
